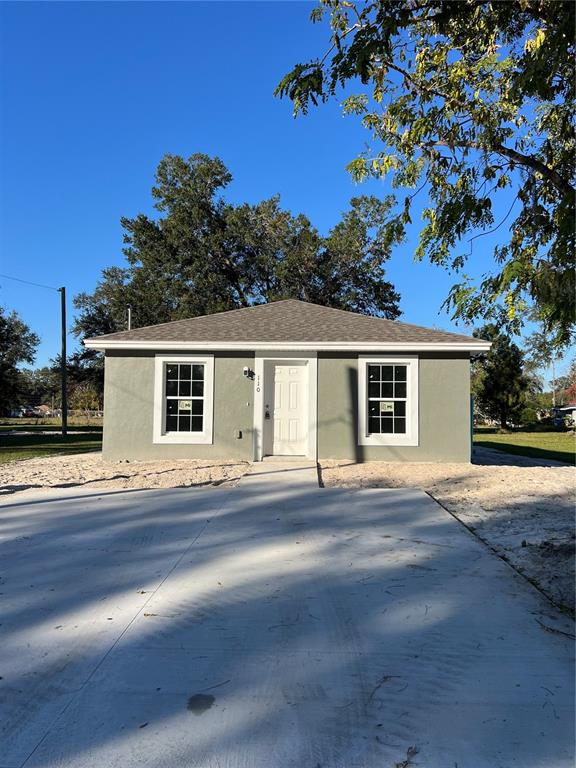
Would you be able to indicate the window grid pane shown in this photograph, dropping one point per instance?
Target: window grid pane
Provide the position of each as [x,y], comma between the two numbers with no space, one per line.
[184,409]
[387,399]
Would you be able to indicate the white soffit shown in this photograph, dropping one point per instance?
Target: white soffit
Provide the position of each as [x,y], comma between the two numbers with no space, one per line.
[479,346]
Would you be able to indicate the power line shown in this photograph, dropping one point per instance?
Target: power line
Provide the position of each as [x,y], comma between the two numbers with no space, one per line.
[28,282]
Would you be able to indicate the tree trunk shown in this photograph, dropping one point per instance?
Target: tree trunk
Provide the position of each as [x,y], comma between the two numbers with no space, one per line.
[503,423]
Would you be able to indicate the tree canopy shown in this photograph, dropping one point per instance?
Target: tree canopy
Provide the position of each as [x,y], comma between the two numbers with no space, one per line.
[470,103]
[500,382]
[17,345]
[202,254]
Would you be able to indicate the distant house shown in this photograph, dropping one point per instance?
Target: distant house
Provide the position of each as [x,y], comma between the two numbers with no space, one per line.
[562,412]
[287,379]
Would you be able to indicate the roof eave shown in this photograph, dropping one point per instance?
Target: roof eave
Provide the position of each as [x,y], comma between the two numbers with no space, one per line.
[390,346]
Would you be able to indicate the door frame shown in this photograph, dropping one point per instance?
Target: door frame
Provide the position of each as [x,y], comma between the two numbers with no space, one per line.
[310,361]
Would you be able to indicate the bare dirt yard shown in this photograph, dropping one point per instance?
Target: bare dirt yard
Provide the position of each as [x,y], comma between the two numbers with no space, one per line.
[525,513]
[90,471]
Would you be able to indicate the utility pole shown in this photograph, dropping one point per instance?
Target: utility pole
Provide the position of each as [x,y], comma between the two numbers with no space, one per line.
[62,292]
[129,317]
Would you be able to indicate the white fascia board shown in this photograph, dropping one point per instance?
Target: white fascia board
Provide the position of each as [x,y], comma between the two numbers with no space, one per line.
[345,346]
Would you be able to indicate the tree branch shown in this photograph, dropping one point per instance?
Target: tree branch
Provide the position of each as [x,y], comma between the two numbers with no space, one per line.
[529,161]
[490,231]
[553,176]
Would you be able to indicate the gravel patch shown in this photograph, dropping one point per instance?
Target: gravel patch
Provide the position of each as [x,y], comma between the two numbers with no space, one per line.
[525,513]
[90,470]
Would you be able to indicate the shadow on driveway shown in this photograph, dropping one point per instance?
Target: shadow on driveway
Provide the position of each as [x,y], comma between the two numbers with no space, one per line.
[271,626]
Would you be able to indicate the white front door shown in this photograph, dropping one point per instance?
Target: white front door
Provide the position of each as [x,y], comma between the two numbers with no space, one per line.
[289,411]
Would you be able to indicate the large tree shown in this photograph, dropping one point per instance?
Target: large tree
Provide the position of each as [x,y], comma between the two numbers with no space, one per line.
[17,345]
[501,383]
[202,254]
[471,104]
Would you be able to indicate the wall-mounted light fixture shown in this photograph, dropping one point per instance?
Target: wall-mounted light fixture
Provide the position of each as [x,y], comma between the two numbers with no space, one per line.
[248,372]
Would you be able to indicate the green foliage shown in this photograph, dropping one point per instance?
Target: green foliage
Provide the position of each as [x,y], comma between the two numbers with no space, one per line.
[540,403]
[85,398]
[463,99]
[205,255]
[17,345]
[541,349]
[40,386]
[502,385]
[528,415]
[85,368]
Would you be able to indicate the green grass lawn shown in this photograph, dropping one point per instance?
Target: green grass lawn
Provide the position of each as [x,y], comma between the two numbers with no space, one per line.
[17,447]
[560,446]
[74,422]
[48,428]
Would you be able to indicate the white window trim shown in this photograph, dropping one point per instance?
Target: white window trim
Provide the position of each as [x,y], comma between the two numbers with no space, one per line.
[190,438]
[412,395]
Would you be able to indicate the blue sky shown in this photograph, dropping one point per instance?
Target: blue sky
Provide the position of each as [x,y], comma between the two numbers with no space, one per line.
[93,94]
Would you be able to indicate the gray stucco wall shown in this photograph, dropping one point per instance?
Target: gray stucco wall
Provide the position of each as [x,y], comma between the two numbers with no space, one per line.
[129,409]
[444,411]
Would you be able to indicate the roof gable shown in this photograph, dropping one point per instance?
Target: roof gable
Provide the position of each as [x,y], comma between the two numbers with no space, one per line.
[288,322]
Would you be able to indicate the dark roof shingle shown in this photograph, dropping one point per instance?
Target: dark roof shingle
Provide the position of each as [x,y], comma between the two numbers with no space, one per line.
[288,321]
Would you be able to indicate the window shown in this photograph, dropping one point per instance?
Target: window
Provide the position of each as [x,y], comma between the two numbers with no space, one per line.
[388,401]
[183,399]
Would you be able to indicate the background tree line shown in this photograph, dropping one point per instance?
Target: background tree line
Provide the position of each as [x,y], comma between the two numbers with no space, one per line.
[469,104]
[30,387]
[202,254]
[507,386]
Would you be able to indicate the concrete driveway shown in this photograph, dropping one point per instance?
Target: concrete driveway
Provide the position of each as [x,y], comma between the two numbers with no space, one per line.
[272,625]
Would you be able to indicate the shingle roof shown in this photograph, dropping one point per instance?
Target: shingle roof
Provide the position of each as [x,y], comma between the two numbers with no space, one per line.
[283,322]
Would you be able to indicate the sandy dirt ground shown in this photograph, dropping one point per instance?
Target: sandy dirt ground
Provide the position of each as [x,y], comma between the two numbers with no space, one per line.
[525,513]
[90,471]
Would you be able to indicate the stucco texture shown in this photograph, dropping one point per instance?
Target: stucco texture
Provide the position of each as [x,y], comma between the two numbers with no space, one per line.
[444,411]
[129,410]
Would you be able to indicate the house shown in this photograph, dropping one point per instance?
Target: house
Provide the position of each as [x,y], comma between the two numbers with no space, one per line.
[287,378]
[562,414]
